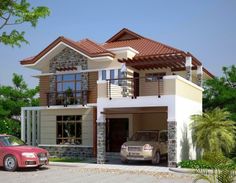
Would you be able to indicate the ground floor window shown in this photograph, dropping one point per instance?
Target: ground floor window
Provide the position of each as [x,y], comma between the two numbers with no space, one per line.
[69,129]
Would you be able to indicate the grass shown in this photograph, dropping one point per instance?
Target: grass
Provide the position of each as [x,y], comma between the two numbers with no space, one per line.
[65,159]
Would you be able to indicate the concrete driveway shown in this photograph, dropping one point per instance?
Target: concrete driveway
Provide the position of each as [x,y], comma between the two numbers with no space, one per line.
[84,173]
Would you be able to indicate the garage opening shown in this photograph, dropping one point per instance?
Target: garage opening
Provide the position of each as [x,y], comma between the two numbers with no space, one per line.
[123,123]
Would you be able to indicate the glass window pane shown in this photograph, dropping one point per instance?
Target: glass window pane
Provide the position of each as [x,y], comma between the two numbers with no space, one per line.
[59,87]
[104,77]
[59,77]
[78,76]
[59,118]
[112,76]
[59,130]
[69,77]
[78,130]
[78,85]
[68,85]
[78,118]
[68,129]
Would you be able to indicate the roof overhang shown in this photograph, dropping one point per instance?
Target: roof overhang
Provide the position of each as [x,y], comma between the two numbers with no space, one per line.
[40,60]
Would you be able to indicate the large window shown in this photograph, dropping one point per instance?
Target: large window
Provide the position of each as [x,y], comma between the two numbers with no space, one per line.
[68,89]
[68,81]
[69,130]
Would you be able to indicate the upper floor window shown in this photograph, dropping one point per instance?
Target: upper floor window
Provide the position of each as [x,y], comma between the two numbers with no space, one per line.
[68,81]
[104,75]
[153,77]
[112,76]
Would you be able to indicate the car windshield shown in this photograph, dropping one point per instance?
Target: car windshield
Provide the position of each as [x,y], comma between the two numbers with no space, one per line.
[145,136]
[11,141]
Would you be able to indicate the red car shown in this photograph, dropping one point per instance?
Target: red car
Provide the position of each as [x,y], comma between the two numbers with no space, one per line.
[15,153]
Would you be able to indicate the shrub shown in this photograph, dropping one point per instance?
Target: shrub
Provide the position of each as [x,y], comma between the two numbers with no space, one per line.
[10,127]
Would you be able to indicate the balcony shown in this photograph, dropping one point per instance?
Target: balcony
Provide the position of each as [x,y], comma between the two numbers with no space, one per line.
[135,87]
[67,98]
[143,88]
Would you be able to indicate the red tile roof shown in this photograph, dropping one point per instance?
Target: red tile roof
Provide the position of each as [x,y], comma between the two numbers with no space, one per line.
[85,46]
[92,47]
[147,48]
[144,46]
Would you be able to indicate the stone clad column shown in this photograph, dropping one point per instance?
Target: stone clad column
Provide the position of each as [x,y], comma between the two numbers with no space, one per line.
[172,143]
[101,140]
[199,75]
[188,66]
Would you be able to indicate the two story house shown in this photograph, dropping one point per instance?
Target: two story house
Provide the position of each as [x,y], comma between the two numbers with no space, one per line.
[94,96]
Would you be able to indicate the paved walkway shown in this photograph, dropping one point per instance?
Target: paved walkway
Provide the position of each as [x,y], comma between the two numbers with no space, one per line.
[92,173]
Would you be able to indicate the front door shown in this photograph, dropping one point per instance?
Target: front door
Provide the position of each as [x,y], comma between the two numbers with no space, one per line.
[117,131]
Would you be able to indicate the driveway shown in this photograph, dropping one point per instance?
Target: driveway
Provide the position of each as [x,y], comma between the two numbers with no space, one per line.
[86,174]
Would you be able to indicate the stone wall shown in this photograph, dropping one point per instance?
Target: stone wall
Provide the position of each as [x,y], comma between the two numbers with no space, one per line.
[172,144]
[101,144]
[69,151]
[68,58]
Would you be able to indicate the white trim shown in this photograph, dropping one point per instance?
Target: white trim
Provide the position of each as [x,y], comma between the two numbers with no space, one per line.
[184,80]
[188,61]
[104,58]
[91,105]
[101,81]
[74,72]
[122,49]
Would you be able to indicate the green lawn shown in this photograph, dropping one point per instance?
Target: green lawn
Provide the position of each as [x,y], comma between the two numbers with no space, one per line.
[65,159]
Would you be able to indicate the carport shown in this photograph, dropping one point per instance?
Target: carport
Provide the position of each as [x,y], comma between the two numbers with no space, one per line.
[122,123]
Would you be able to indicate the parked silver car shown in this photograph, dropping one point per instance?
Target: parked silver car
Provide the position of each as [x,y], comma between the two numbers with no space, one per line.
[145,145]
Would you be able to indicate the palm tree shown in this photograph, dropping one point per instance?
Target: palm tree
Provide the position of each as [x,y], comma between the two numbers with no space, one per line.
[213,131]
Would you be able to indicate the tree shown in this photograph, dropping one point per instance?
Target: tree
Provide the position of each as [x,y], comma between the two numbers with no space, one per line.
[12,98]
[213,131]
[221,92]
[15,12]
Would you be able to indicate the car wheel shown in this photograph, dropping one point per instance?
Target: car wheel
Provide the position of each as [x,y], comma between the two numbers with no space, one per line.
[10,163]
[156,158]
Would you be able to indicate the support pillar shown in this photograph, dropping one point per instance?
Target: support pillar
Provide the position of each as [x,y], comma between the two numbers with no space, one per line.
[33,128]
[28,127]
[101,142]
[172,143]
[188,66]
[23,124]
[38,128]
[199,75]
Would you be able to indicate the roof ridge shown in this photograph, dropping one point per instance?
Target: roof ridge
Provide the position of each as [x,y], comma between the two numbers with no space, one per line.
[120,33]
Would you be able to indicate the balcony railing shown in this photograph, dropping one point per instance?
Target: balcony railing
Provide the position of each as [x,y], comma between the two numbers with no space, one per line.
[134,87]
[67,98]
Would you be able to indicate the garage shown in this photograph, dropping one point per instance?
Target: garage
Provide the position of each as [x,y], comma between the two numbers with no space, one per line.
[122,123]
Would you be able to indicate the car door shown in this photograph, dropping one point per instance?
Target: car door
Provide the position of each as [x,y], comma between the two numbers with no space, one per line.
[1,153]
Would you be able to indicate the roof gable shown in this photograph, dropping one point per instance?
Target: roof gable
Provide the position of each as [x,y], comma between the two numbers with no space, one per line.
[124,34]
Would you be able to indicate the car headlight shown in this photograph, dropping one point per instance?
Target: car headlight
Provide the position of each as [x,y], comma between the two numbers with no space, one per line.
[28,155]
[124,147]
[147,147]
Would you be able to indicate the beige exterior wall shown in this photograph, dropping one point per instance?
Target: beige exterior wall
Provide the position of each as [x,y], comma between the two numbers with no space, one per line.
[149,121]
[48,125]
[150,88]
[92,64]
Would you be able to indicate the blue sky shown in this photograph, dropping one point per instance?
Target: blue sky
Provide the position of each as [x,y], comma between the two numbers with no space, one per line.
[206,28]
